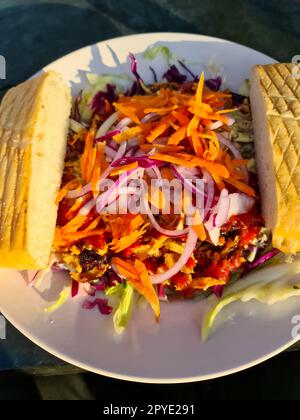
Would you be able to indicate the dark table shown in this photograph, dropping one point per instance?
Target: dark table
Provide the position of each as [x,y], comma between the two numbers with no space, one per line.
[34,33]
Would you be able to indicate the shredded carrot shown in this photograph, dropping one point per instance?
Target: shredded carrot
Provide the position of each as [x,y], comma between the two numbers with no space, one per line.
[181,116]
[241,186]
[219,182]
[178,136]
[197,144]
[226,111]
[137,275]
[84,161]
[174,159]
[160,128]
[125,168]
[193,125]
[145,287]
[127,134]
[125,269]
[74,224]
[199,229]
[96,172]
[71,185]
[200,87]
[212,167]
[204,283]
[66,240]
[91,163]
[162,148]
[127,241]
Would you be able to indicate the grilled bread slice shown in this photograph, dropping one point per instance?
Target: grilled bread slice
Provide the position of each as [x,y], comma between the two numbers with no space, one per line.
[34,118]
[275,104]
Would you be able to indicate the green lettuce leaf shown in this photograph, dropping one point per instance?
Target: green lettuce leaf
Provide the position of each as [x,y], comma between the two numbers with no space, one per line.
[152,53]
[269,285]
[123,313]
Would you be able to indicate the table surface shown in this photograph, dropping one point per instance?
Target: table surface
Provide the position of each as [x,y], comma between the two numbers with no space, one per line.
[33,33]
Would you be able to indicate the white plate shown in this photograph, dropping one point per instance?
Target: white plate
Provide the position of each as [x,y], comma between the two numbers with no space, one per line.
[169,352]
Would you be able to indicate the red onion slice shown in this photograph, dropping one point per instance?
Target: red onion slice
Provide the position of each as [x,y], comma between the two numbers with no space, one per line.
[187,182]
[187,253]
[84,211]
[222,209]
[75,125]
[163,231]
[215,125]
[108,135]
[152,116]
[109,152]
[210,192]
[121,151]
[107,124]
[123,123]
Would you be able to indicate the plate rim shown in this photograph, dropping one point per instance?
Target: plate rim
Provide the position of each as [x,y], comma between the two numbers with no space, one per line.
[141,379]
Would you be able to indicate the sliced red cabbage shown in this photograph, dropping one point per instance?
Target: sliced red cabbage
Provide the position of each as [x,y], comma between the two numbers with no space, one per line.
[214,84]
[138,87]
[263,259]
[143,162]
[108,135]
[155,78]
[237,99]
[173,75]
[218,291]
[76,112]
[74,288]
[98,101]
[185,67]
[161,293]
[102,305]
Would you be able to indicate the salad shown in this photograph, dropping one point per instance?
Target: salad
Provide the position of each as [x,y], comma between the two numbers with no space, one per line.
[123,234]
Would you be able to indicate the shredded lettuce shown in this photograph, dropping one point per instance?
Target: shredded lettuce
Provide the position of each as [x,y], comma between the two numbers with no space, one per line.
[244,90]
[63,297]
[124,311]
[116,290]
[269,285]
[152,53]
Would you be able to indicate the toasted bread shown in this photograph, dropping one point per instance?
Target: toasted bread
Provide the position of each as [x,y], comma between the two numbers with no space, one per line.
[34,119]
[275,105]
